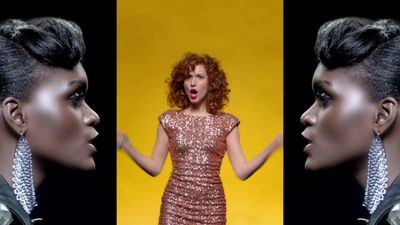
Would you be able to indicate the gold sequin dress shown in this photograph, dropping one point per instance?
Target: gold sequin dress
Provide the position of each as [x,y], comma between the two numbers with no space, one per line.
[197,144]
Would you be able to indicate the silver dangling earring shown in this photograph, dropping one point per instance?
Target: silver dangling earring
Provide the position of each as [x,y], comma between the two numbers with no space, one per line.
[24,189]
[375,189]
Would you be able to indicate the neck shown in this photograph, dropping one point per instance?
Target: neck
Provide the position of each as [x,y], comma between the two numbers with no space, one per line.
[391,144]
[197,109]
[361,170]
[392,151]
[38,172]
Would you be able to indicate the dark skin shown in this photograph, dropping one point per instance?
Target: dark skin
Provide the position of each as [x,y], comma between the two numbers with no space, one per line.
[55,119]
[343,120]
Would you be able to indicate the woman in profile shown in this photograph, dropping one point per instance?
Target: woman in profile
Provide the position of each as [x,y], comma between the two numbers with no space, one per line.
[197,136]
[44,119]
[355,119]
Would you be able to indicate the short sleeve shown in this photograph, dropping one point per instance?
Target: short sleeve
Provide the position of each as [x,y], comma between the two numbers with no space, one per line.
[231,122]
[165,119]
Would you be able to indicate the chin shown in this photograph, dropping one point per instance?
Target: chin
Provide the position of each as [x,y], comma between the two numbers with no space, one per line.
[194,101]
[87,165]
[91,165]
[322,165]
[310,166]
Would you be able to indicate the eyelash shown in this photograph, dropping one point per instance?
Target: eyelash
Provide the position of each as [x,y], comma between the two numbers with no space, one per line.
[197,76]
[77,97]
[323,98]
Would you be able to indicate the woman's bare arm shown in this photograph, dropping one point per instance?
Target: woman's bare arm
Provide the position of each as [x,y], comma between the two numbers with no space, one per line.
[153,164]
[243,168]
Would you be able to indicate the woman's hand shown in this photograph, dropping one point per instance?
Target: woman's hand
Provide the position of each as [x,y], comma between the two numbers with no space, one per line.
[153,164]
[122,139]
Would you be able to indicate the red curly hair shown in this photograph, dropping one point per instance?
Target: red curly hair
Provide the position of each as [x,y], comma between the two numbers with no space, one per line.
[218,89]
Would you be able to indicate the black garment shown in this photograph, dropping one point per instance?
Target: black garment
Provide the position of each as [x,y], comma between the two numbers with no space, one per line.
[388,211]
[8,203]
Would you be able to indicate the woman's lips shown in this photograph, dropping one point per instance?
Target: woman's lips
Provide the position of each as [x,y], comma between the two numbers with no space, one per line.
[92,149]
[193,94]
[308,147]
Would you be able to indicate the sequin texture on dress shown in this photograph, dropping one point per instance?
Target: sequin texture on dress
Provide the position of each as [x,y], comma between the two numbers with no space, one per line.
[197,145]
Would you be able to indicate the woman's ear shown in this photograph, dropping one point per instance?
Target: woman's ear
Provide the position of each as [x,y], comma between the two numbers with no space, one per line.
[14,115]
[386,114]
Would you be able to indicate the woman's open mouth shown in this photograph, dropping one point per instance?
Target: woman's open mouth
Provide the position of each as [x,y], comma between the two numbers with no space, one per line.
[193,94]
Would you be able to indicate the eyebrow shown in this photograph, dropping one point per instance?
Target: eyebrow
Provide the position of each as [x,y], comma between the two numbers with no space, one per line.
[319,82]
[80,82]
[77,81]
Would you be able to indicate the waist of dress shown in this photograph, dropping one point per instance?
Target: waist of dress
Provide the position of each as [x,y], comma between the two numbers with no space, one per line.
[192,175]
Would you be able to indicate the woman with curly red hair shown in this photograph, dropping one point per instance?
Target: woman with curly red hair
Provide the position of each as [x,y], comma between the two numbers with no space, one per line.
[197,137]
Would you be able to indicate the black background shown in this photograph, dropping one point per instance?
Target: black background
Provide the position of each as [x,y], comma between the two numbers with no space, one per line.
[75,197]
[327,197]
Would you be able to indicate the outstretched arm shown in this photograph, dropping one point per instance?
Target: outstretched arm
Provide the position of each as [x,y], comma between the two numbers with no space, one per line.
[151,165]
[242,168]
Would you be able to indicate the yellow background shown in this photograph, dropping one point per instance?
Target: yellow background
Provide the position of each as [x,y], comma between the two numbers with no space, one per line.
[247,37]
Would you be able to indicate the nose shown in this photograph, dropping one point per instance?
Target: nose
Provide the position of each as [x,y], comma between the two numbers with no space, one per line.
[193,81]
[90,118]
[309,117]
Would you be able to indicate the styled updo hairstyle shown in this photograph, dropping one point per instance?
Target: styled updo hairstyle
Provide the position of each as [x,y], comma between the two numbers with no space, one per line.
[372,48]
[28,48]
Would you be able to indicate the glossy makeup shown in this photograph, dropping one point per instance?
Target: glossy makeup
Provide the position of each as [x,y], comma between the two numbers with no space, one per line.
[59,122]
[339,125]
[196,85]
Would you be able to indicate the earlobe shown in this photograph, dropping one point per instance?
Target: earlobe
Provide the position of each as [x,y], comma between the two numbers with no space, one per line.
[387,114]
[13,114]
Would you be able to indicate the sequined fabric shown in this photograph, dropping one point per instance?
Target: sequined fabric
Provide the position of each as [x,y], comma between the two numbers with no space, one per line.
[194,193]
